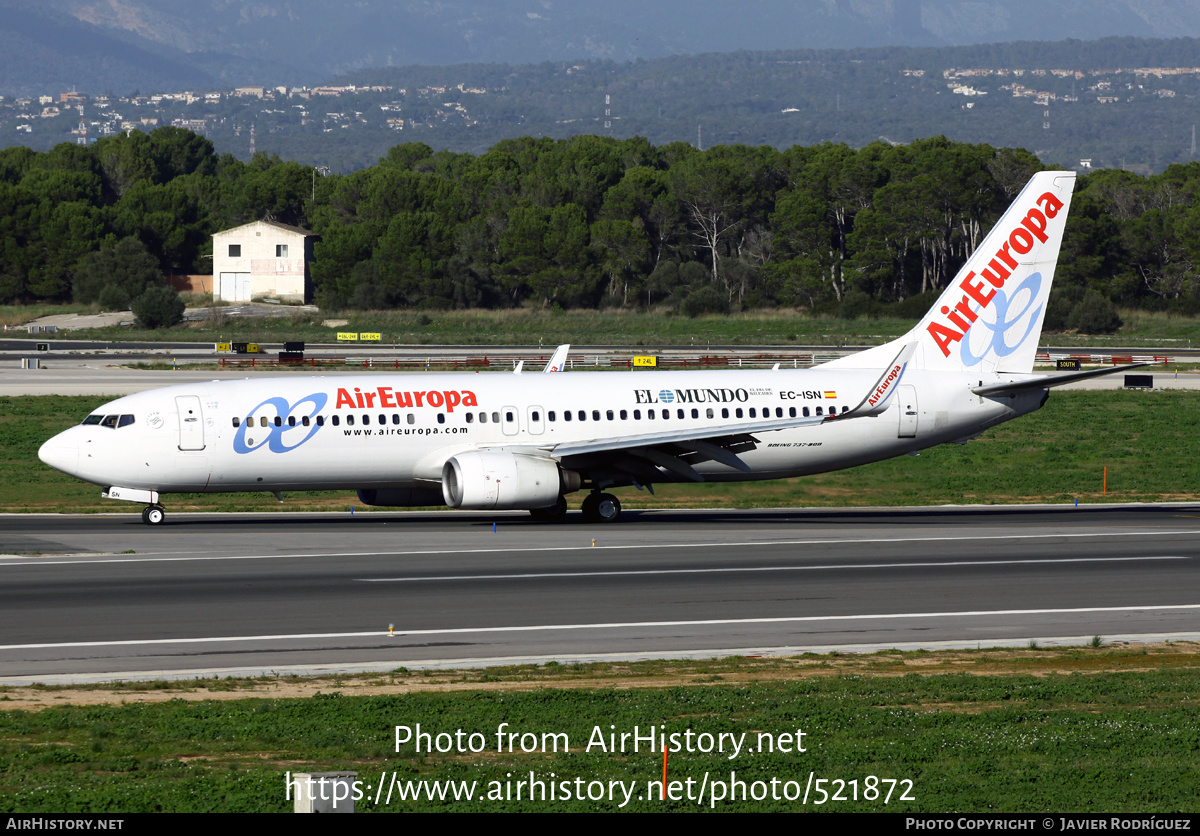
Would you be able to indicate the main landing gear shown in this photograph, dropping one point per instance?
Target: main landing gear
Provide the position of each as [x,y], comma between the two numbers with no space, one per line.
[597,508]
[554,513]
[601,508]
[153,515]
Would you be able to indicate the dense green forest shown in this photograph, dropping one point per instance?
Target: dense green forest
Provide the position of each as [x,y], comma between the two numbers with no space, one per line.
[590,222]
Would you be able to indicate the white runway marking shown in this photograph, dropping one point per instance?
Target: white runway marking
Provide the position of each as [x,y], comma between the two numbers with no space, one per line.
[18,560]
[819,567]
[616,625]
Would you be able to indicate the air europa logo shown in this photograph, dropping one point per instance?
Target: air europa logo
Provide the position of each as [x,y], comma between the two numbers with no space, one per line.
[882,389]
[961,317]
[249,437]
[390,399]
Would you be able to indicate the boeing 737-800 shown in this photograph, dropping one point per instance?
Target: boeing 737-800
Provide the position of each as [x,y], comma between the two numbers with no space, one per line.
[525,441]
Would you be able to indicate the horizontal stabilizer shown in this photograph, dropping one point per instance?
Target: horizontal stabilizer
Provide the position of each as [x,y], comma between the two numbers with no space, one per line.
[1048,381]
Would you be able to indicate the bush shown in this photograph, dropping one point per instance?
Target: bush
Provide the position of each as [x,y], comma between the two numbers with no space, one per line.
[705,300]
[1094,315]
[113,298]
[1063,299]
[158,307]
[856,305]
[127,267]
[915,306]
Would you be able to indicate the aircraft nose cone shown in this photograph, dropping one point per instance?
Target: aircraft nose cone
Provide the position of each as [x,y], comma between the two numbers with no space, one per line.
[60,455]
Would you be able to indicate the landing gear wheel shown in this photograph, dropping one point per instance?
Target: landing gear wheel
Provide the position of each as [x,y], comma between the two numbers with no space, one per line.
[153,515]
[601,508]
[554,513]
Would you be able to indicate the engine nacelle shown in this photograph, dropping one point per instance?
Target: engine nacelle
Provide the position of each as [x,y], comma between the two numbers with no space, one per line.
[501,481]
[401,497]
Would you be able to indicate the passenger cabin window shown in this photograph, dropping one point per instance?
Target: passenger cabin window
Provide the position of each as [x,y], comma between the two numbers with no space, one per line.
[441,417]
[336,420]
[237,422]
[411,418]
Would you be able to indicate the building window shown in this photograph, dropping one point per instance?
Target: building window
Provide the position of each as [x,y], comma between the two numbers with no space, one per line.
[235,250]
[281,251]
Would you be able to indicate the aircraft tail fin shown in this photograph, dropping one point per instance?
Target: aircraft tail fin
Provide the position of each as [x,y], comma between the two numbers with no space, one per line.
[558,360]
[990,316]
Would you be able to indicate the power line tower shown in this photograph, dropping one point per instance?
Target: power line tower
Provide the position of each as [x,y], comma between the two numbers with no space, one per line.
[607,111]
[251,140]
[81,133]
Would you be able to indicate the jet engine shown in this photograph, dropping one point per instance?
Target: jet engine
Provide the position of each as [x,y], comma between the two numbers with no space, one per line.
[502,481]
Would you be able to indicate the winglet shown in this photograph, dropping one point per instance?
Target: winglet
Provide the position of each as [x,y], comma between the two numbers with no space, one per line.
[879,397]
[558,360]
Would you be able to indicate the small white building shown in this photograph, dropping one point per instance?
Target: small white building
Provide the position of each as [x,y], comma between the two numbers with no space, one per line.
[263,259]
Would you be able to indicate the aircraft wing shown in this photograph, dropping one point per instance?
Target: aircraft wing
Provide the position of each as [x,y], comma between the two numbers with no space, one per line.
[675,449]
[1048,381]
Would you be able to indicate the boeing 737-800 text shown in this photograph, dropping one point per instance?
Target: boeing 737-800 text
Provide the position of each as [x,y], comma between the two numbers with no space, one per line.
[525,441]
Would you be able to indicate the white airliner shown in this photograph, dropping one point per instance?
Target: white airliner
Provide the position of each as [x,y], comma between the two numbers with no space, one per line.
[502,441]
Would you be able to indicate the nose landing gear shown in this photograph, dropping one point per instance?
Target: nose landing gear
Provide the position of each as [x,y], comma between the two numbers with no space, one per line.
[153,515]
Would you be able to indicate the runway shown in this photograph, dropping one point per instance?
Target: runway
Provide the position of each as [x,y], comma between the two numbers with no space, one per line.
[101,597]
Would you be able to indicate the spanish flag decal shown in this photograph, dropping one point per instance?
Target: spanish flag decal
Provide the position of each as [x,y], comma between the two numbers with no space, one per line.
[829,394]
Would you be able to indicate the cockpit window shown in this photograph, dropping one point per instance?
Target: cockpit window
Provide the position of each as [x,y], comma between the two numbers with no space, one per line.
[93,419]
[125,421]
[109,421]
